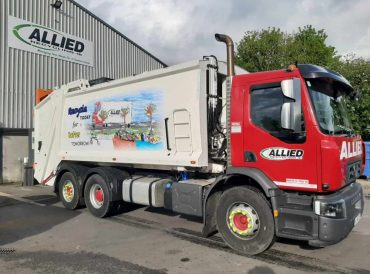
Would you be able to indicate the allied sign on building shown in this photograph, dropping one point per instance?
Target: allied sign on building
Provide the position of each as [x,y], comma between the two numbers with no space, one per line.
[39,39]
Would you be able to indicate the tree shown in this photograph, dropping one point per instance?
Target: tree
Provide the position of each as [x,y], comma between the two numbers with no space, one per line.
[271,49]
[149,111]
[357,71]
[309,47]
[262,50]
[124,112]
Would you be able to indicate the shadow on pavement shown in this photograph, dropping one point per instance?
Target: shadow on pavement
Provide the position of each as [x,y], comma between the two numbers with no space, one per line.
[43,199]
[302,244]
[172,214]
[73,262]
[127,207]
[123,208]
[261,270]
[19,220]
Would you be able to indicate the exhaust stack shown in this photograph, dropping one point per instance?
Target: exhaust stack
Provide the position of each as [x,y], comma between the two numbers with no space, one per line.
[230,52]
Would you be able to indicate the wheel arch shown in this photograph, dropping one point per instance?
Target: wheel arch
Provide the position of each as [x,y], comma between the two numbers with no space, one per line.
[113,176]
[77,170]
[234,176]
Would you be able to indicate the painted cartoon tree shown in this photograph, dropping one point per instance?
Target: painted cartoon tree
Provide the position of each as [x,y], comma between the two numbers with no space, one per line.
[149,111]
[124,112]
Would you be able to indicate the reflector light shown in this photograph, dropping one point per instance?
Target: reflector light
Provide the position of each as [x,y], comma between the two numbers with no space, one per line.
[291,67]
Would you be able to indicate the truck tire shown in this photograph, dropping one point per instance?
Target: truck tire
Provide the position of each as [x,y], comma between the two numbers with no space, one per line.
[69,191]
[98,197]
[245,221]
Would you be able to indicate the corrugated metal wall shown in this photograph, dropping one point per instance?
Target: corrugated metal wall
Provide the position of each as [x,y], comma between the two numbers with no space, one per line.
[22,72]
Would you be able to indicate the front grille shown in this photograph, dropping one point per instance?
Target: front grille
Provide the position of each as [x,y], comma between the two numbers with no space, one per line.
[353,171]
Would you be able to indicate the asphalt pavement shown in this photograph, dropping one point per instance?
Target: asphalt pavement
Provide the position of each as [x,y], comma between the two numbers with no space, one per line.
[38,235]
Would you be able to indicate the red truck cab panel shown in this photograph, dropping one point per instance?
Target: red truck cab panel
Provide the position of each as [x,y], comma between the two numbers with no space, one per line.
[341,160]
[313,163]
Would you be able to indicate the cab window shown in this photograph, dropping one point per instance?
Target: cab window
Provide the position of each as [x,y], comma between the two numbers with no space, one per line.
[266,107]
[266,104]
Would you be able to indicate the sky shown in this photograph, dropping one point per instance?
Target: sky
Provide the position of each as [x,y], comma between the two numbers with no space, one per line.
[177,31]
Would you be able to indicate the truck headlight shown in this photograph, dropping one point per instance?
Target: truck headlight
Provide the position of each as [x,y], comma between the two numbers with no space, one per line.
[331,210]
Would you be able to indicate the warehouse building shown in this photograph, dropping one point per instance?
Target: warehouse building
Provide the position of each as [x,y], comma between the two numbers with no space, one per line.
[44,44]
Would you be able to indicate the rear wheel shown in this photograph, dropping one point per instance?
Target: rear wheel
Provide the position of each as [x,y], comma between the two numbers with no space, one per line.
[245,221]
[98,196]
[69,191]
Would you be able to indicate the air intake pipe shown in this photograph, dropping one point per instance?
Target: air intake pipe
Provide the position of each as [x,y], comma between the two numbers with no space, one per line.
[230,52]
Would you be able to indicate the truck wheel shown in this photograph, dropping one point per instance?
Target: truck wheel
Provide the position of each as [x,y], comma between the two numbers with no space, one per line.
[97,196]
[245,221]
[69,191]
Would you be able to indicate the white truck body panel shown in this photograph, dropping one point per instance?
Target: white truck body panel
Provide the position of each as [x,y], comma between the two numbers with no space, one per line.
[65,130]
[123,121]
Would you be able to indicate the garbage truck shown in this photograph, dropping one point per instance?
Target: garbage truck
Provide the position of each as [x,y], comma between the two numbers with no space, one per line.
[254,155]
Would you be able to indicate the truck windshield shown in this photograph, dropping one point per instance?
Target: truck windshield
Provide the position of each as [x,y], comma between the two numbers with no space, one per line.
[330,109]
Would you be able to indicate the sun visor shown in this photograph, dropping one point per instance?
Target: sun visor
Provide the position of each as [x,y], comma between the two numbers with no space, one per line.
[314,72]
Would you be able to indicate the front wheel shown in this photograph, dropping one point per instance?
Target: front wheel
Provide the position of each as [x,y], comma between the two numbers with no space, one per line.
[245,221]
[98,197]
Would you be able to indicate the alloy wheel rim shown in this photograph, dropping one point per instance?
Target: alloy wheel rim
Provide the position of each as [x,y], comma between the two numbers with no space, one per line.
[96,196]
[242,220]
[68,191]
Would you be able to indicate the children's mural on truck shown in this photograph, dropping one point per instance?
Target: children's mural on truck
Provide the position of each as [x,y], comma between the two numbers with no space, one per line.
[121,122]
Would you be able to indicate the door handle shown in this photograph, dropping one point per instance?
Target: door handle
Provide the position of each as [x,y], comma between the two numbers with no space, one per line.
[166,127]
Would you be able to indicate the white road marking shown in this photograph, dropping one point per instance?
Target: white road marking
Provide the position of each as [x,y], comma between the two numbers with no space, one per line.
[20,199]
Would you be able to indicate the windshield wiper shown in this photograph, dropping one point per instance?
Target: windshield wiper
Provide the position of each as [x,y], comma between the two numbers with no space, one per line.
[349,132]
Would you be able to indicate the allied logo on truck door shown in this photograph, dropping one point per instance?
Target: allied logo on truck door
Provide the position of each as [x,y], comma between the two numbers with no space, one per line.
[281,153]
[350,149]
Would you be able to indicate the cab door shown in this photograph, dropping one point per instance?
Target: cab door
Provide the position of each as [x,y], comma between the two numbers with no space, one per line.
[288,157]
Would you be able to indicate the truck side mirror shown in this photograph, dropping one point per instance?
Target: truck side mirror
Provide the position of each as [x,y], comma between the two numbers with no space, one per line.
[291,110]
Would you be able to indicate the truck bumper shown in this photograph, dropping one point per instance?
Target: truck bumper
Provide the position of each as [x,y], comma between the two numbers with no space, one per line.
[332,230]
[297,218]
